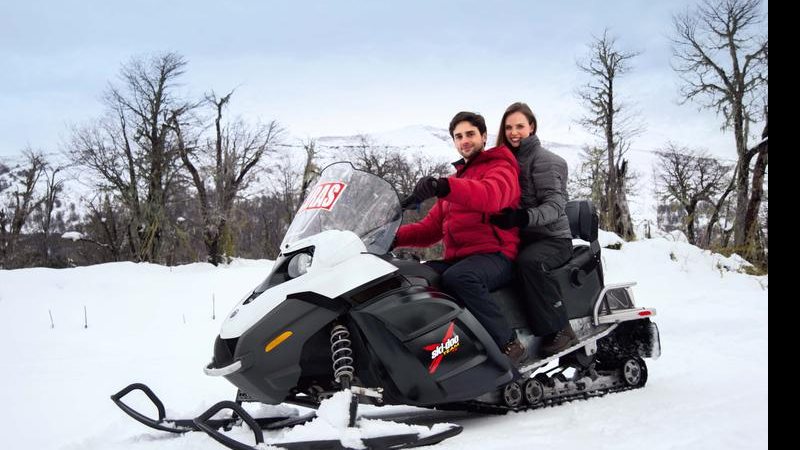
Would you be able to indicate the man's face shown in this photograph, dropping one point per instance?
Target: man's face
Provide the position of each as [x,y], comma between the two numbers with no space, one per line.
[469,141]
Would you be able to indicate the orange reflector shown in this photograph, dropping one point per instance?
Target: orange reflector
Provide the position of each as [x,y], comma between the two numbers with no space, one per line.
[278,341]
[645,313]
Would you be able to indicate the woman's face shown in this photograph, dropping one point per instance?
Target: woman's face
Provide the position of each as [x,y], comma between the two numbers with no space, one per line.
[517,128]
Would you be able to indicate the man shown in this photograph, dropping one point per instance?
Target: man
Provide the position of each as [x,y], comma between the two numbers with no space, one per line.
[478,257]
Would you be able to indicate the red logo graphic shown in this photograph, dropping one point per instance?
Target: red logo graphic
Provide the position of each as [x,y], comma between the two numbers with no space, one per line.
[448,345]
[324,196]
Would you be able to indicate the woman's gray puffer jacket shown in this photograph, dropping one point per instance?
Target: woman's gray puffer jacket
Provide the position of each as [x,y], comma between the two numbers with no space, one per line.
[543,179]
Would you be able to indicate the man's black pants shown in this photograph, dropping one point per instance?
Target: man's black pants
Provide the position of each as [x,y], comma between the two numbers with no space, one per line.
[470,280]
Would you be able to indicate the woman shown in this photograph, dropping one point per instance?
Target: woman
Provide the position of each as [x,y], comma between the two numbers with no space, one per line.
[545,237]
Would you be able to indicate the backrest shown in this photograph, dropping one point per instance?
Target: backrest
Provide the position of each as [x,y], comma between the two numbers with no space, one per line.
[581,278]
[583,220]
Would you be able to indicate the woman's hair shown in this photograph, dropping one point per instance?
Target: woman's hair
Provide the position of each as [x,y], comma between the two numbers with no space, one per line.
[515,107]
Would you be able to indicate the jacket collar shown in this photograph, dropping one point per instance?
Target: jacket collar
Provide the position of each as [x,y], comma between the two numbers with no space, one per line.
[528,145]
[484,154]
[461,165]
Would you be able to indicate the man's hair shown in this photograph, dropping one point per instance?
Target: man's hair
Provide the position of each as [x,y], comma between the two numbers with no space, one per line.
[515,107]
[475,119]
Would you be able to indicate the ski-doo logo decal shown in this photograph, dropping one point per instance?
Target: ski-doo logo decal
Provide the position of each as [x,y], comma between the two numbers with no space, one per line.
[324,196]
[448,345]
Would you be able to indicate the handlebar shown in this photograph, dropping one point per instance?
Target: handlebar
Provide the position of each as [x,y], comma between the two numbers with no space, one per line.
[409,202]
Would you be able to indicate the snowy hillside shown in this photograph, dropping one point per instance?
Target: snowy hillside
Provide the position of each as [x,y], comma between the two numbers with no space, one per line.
[154,324]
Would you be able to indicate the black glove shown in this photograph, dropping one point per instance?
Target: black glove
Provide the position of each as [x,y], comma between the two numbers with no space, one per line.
[510,218]
[428,187]
[442,187]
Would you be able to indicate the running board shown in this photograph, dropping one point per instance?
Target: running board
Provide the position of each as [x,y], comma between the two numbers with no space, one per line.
[589,342]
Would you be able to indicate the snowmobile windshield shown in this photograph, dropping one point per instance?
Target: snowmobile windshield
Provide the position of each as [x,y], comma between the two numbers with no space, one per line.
[346,198]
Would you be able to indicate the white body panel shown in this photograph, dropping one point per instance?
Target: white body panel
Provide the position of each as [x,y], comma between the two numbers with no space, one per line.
[340,264]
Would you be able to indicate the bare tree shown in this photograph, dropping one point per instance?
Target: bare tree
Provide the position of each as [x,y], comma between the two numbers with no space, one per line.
[293,178]
[717,208]
[608,118]
[690,177]
[764,219]
[590,179]
[133,151]
[102,228]
[370,157]
[755,247]
[4,171]
[720,52]
[225,163]
[310,169]
[262,226]
[54,186]
[400,170]
[5,212]
[21,202]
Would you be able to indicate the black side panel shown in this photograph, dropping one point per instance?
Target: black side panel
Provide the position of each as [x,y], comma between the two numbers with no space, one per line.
[434,351]
[268,376]
[580,289]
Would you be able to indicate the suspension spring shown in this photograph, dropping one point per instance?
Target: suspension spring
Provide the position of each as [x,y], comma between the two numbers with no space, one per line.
[342,355]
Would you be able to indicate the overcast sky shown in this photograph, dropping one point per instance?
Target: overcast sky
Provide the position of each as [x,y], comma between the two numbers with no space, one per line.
[344,67]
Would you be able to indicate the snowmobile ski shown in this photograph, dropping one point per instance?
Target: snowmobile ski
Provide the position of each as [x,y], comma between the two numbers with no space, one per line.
[180,426]
[395,441]
[240,416]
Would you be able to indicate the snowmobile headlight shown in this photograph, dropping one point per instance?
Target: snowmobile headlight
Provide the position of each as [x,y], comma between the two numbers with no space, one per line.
[299,264]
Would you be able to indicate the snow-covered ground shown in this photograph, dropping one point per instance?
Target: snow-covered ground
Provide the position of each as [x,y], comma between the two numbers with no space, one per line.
[154,324]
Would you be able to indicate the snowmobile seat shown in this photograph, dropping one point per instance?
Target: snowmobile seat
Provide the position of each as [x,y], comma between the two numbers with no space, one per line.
[416,273]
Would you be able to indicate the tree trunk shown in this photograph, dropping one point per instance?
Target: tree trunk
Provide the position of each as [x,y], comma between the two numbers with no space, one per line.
[623,223]
[742,175]
[611,185]
[754,251]
[690,221]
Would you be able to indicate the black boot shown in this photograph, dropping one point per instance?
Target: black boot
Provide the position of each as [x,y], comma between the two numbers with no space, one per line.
[559,341]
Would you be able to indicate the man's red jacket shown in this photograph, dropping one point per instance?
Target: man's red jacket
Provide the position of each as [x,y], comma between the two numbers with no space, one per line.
[481,187]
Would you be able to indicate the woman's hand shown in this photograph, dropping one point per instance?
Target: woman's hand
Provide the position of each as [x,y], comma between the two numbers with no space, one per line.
[510,218]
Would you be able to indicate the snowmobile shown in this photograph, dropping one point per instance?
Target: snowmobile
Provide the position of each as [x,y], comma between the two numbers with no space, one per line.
[339,310]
